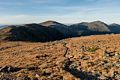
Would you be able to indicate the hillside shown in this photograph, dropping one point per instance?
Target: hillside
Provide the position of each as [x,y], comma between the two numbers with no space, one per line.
[85,28]
[30,32]
[80,29]
[115,28]
[84,58]
[64,29]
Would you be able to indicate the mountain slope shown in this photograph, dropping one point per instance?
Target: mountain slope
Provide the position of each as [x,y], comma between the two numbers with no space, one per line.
[115,28]
[92,28]
[60,27]
[98,26]
[29,32]
[52,30]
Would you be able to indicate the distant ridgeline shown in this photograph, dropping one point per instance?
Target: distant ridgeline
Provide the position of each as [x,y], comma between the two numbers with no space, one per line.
[1,26]
[52,30]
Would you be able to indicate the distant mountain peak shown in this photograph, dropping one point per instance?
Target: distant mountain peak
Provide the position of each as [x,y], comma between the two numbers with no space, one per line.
[50,23]
[94,22]
[98,22]
[114,24]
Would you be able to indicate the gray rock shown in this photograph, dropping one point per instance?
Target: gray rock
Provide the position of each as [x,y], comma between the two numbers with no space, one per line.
[8,69]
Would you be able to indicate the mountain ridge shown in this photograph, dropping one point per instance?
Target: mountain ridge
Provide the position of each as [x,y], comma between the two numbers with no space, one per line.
[52,30]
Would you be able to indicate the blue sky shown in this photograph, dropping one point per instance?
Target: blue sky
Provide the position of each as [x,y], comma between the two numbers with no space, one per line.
[65,11]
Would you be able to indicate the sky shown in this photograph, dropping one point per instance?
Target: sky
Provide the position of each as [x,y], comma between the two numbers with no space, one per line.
[64,11]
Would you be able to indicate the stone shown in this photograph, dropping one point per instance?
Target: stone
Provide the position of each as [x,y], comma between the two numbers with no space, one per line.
[8,69]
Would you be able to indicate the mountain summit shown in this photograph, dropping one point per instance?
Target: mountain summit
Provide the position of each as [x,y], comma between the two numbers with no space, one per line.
[50,23]
[85,28]
[98,26]
[64,29]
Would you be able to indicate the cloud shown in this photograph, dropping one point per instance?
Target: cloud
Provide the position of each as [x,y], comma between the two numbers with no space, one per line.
[17,19]
[67,11]
[79,17]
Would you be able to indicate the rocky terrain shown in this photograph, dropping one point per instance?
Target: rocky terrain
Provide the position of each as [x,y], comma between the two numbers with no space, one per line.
[83,58]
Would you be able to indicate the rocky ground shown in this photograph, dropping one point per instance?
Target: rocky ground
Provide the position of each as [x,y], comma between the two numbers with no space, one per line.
[84,58]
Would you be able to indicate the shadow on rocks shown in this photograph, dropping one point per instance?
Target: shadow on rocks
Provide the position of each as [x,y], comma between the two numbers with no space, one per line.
[69,67]
[8,69]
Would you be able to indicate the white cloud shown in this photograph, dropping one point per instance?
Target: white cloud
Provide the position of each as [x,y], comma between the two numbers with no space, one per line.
[23,19]
[17,19]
